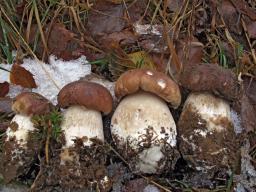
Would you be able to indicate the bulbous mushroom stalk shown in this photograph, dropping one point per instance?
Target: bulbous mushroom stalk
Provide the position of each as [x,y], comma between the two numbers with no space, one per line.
[81,160]
[143,120]
[85,102]
[19,153]
[207,137]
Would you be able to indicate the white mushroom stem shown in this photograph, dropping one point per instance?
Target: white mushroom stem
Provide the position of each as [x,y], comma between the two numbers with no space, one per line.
[79,122]
[19,128]
[211,109]
[134,117]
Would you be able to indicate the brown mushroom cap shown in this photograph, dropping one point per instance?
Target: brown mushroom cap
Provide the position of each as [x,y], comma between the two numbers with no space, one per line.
[88,94]
[151,81]
[29,103]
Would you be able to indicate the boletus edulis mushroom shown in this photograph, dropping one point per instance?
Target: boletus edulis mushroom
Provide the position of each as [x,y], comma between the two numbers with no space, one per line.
[84,102]
[80,164]
[142,125]
[207,139]
[19,148]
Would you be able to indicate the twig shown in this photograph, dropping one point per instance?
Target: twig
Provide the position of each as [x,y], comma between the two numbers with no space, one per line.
[49,130]
[37,177]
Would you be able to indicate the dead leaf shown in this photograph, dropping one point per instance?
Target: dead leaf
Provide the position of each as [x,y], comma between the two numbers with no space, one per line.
[106,18]
[61,42]
[230,16]
[5,105]
[4,89]
[141,59]
[20,76]
[247,114]
[244,8]
[251,28]
[190,51]
[250,88]
[124,38]
[175,5]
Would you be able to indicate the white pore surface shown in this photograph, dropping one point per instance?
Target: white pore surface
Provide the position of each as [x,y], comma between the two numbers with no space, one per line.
[59,71]
[24,126]
[79,122]
[137,112]
[210,108]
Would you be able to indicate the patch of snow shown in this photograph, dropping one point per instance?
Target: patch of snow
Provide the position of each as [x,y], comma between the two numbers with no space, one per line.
[58,72]
[151,188]
[236,120]
[4,75]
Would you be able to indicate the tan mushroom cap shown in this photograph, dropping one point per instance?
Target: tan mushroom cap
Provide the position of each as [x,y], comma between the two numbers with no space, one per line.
[29,103]
[150,81]
[88,94]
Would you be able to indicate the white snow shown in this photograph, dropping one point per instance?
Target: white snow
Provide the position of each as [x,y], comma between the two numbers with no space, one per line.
[59,73]
[236,120]
[151,188]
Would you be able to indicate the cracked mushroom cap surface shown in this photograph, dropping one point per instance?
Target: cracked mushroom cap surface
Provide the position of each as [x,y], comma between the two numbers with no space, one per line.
[88,94]
[150,81]
[29,103]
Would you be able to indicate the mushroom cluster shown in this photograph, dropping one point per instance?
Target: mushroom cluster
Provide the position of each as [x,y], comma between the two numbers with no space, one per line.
[19,148]
[142,125]
[84,102]
[207,138]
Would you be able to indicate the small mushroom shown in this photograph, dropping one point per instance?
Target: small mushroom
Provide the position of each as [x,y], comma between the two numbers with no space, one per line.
[207,138]
[142,125]
[85,102]
[18,152]
[81,161]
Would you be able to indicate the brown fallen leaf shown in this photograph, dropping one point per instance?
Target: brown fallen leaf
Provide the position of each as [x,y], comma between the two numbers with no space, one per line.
[251,27]
[244,8]
[247,114]
[20,76]
[141,59]
[106,18]
[61,42]
[175,5]
[5,105]
[230,16]
[190,51]
[4,89]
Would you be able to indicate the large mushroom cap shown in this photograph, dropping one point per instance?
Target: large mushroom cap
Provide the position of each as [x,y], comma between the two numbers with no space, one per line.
[29,103]
[150,81]
[88,94]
